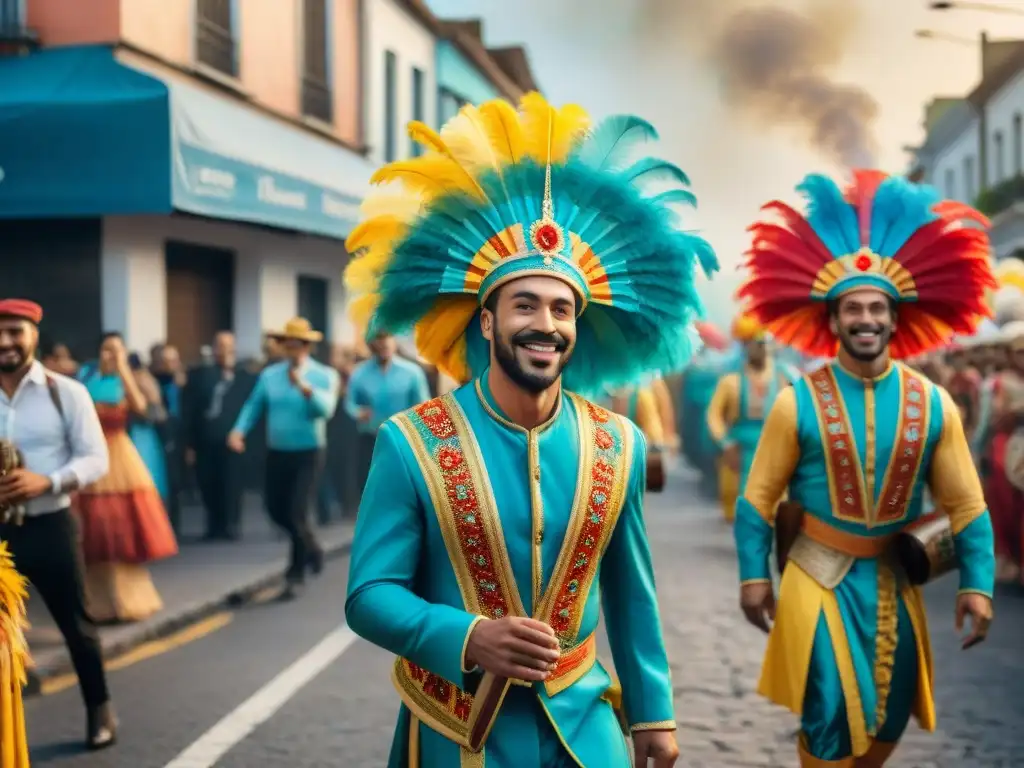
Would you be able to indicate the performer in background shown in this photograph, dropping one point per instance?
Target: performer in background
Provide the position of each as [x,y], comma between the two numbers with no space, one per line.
[299,395]
[884,270]
[739,406]
[476,558]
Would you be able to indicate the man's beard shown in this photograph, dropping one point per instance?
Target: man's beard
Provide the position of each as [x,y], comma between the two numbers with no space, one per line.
[531,381]
[14,364]
[864,356]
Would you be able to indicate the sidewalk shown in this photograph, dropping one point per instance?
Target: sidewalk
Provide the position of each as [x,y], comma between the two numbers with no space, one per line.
[200,580]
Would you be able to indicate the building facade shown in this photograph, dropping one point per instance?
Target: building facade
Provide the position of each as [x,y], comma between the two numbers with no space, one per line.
[974,149]
[181,166]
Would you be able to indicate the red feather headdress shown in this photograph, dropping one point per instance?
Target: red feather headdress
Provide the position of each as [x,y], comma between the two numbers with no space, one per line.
[884,232]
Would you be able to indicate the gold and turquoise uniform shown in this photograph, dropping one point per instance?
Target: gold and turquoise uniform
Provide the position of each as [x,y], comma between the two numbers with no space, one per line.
[849,650]
[441,542]
[468,517]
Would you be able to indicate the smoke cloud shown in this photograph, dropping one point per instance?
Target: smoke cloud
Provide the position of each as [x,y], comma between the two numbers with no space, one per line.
[776,66]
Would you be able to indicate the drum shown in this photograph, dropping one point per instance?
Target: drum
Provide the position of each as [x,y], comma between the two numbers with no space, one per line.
[1014,460]
[925,549]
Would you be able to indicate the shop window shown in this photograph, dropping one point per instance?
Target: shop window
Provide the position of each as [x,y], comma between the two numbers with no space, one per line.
[390,106]
[417,103]
[12,16]
[215,35]
[317,100]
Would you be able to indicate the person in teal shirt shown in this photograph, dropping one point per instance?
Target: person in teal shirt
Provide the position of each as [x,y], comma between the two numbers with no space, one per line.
[298,396]
[500,519]
[380,387]
[886,270]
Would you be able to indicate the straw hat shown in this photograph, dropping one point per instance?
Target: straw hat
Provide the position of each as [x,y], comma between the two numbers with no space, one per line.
[298,328]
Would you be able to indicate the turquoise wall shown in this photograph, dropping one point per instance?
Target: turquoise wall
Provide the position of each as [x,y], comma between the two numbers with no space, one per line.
[455,73]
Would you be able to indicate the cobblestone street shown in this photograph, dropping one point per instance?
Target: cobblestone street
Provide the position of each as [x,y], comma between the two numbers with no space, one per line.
[344,715]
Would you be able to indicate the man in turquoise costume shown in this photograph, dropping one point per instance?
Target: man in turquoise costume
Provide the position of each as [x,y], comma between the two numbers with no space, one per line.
[881,270]
[529,256]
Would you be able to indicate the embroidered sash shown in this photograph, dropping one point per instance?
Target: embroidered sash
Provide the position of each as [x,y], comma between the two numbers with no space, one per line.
[847,487]
[452,466]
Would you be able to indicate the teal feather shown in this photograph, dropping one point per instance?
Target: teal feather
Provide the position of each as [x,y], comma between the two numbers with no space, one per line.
[608,144]
[650,264]
[651,169]
[833,219]
[899,209]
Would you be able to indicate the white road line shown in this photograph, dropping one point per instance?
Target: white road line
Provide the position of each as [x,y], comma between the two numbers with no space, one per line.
[262,705]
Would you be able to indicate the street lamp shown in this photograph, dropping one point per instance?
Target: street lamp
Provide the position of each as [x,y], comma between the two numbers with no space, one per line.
[949,5]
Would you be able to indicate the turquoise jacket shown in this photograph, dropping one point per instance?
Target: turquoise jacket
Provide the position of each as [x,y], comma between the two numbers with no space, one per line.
[433,555]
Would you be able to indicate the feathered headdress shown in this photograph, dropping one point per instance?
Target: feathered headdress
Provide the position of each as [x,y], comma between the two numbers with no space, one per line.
[500,194]
[885,233]
[14,660]
[746,327]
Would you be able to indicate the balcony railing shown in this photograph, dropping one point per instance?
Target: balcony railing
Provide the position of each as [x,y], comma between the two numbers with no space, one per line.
[317,101]
[215,46]
[997,199]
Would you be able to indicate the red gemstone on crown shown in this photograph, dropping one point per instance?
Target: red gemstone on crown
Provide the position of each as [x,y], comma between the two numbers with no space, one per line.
[547,236]
[863,263]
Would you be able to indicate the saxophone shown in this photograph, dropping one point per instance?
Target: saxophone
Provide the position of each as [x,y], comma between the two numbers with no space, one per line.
[10,459]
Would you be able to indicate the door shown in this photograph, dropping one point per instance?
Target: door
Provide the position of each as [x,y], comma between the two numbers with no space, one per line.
[313,305]
[200,296]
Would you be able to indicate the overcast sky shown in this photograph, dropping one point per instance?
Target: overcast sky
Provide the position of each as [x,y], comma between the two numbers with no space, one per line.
[716,77]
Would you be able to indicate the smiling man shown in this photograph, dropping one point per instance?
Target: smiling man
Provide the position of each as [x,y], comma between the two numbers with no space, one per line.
[499,519]
[884,270]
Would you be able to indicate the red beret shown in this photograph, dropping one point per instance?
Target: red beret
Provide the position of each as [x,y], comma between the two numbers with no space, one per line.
[22,308]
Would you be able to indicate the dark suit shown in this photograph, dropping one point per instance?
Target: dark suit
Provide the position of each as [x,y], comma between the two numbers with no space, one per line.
[211,406]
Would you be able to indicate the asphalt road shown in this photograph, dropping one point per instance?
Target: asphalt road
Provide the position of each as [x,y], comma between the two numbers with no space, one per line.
[336,706]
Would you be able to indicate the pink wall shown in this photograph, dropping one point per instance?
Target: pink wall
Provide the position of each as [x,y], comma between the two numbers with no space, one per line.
[269,50]
[347,70]
[73,22]
[160,27]
[269,54]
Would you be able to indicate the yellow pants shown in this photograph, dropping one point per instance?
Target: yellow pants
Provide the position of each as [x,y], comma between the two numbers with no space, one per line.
[728,490]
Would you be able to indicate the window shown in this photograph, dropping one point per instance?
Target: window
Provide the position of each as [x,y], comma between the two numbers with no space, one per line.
[969,178]
[215,35]
[390,105]
[316,61]
[448,105]
[951,184]
[1018,146]
[999,160]
[12,17]
[417,104]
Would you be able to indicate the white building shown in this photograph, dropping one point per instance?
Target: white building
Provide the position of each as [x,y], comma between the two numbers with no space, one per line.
[401,82]
[974,149]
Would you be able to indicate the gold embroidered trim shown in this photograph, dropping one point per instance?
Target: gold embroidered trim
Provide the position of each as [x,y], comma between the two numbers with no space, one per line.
[886,637]
[907,452]
[661,725]
[606,451]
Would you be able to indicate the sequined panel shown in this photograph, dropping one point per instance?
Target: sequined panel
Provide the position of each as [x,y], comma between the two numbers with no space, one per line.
[464,506]
[908,449]
[846,483]
[605,452]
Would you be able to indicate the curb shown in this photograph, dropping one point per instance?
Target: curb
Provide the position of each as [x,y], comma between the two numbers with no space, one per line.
[174,622]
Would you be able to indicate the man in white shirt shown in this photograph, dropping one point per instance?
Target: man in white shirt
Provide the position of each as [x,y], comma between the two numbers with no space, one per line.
[52,422]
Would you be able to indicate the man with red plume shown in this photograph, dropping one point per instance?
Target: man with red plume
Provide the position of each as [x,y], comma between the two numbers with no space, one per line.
[879,271]
[738,408]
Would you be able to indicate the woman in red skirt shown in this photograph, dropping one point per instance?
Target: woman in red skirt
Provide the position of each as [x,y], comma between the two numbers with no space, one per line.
[124,524]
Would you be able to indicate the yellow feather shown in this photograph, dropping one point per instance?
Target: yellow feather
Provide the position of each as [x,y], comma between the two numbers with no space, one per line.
[361,310]
[467,138]
[504,130]
[423,134]
[379,230]
[431,176]
[551,134]
[440,335]
[391,200]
